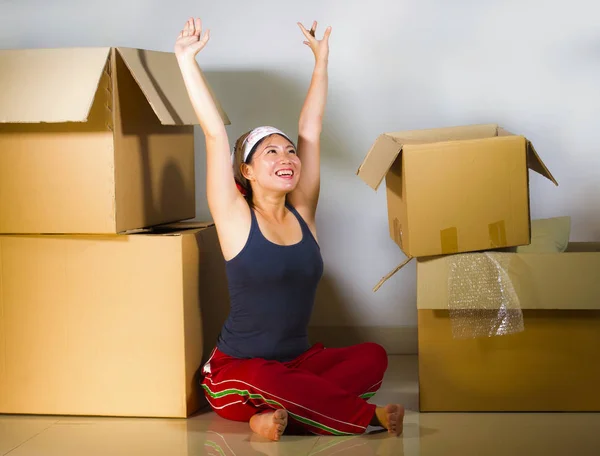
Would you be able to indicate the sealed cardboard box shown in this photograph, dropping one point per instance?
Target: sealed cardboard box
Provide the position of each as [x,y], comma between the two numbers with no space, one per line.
[551,366]
[452,190]
[94,140]
[107,325]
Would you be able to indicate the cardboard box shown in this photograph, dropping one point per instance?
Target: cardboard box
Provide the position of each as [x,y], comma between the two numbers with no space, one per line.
[94,140]
[552,366]
[107,325]
[452,190]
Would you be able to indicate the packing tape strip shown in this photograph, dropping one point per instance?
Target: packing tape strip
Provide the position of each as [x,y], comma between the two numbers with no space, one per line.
[449,240]
[398,232]
[498,234]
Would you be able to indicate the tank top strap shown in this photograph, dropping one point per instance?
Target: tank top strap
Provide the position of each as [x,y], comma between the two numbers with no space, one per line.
[253,223]
[305,229]
[293,210]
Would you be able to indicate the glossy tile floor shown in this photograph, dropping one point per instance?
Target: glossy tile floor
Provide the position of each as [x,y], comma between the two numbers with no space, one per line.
[206,434]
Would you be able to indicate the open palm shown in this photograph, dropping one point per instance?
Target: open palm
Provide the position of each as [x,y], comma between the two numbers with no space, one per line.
[320,48]
[190,41]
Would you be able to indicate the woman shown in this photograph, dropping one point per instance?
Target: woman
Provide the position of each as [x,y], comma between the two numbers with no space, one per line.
[263,199]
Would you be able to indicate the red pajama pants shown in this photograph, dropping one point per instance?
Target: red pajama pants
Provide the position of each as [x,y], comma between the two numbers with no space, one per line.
[324,390]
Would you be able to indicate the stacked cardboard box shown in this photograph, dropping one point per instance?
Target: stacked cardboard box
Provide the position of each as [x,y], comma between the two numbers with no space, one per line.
[100,309]
[553,365]
[451,191]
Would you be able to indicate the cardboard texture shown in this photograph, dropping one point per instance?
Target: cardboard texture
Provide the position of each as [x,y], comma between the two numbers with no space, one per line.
[107,325]
[554,365]
[94,141]
[458,189]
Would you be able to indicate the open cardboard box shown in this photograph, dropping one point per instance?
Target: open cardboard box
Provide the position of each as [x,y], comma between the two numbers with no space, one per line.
[458,189]
[94,140]
[114,325]
[553,365]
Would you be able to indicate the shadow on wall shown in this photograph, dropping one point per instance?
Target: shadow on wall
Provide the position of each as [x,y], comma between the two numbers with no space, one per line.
[214,295]
[214,302]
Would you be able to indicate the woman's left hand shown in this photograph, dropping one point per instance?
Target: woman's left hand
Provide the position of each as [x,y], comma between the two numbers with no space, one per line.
[320,48]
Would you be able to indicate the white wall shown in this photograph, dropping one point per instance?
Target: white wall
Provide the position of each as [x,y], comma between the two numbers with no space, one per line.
[531,65]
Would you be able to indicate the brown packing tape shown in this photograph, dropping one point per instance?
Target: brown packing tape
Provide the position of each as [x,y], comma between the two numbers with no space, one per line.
[391,273]
[449,240]
[398,232]
[498,234]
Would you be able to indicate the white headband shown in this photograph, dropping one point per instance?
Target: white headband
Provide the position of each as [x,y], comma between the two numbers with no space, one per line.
[255,136]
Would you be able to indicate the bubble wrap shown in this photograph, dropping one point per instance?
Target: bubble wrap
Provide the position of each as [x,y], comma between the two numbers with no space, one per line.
[482,301]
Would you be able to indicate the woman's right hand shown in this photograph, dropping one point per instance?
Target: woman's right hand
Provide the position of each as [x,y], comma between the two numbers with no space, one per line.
[190,41]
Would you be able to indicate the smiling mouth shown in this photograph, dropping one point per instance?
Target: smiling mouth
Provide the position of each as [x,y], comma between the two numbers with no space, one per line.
[285,173]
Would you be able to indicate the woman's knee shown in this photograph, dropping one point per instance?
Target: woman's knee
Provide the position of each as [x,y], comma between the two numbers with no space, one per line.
[376,355]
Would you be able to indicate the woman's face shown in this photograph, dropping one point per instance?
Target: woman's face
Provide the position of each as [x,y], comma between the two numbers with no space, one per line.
[274,166]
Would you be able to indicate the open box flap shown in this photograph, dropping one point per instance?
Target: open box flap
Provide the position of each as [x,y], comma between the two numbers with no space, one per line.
[534,162]
[49,85]
[159,77]
[379,160]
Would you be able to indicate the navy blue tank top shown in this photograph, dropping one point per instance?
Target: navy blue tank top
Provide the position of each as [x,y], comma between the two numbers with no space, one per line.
[272,290]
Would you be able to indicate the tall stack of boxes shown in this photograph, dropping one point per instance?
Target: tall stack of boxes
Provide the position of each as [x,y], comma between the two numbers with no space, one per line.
[101,285]
[455,191]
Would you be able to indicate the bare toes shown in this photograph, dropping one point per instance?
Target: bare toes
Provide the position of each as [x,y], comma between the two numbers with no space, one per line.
[280,417]
[395,416]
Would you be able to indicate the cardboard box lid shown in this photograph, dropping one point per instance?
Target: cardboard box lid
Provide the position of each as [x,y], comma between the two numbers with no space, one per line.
[59,85]
[388,146]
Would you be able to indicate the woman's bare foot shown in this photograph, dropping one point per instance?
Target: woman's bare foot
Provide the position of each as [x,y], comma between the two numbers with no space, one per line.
[270,424]
[390,417]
